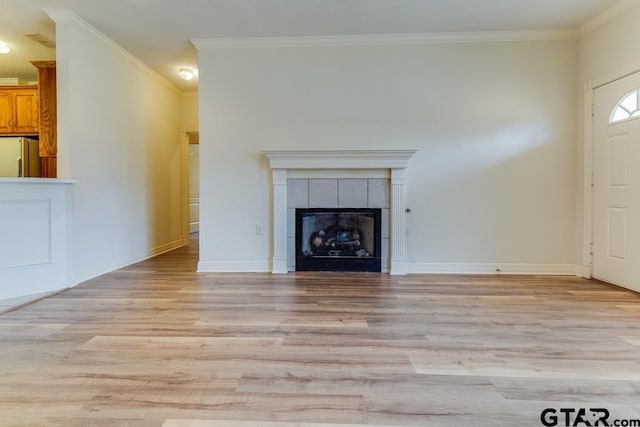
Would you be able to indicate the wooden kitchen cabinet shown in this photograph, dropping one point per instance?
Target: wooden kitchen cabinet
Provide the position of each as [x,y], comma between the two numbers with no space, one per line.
[6,111]
[19,110]
[48,132]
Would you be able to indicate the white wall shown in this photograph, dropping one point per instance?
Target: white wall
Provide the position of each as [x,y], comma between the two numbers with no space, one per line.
[119,135]
[602,53]
[493,181]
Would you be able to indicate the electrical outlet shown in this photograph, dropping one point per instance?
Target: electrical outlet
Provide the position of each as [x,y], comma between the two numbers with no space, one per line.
[258,230]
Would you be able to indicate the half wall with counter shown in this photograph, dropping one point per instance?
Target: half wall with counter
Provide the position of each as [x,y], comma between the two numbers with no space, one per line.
[35,234]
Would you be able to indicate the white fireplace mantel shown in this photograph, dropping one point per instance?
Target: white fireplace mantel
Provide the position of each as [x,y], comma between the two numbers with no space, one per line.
[397,161]
[339,159]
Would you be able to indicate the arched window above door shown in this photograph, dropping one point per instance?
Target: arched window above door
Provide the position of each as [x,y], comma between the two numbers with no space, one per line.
[627,107]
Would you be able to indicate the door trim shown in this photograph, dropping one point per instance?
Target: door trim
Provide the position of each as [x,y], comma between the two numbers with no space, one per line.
[585,267]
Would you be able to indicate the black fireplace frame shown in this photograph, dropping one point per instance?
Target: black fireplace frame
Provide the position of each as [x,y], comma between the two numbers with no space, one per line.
[339,263]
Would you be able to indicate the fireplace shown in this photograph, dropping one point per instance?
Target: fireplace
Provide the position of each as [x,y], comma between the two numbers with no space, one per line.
[290,165]
[338,239]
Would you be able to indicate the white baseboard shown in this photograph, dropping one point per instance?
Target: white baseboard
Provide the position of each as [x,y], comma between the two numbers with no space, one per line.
[46,285]
[416,268]
[57,283]
[92,271]
[489,268]
[167,247]
[234,267]
[419,268]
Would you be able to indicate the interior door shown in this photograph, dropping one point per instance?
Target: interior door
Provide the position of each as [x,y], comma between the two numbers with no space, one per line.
[616,210]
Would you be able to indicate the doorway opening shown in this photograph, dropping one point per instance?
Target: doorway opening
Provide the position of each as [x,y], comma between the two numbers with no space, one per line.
[194,184]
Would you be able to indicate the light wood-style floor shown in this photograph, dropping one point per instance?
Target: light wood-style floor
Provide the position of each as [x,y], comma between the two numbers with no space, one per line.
[158,345]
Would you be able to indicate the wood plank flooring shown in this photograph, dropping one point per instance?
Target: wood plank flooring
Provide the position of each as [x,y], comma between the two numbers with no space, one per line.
[157,345]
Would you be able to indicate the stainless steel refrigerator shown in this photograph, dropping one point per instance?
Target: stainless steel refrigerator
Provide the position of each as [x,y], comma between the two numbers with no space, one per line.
[19,157]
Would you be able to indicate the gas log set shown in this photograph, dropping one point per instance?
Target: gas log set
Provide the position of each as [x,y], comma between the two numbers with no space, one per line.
[338,240]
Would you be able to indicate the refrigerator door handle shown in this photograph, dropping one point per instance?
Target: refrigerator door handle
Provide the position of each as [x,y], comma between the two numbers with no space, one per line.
[20,168]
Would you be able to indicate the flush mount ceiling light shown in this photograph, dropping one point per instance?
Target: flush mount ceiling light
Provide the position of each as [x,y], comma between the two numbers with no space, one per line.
[4,48]
[186,73]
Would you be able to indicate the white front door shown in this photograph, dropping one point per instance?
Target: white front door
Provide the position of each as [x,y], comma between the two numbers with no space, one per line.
[616,207]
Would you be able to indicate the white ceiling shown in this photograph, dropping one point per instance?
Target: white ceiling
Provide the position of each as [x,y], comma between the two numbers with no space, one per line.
[158,32]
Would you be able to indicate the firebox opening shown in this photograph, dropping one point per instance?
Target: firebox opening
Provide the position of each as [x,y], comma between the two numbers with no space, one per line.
[338,239]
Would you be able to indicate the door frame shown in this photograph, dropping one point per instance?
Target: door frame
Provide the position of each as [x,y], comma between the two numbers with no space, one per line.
[585,268]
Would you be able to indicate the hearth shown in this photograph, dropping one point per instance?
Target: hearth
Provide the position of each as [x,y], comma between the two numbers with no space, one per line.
[338,239]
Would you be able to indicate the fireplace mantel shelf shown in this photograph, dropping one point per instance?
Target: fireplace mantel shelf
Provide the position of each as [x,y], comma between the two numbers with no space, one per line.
[283,161]
[338,159]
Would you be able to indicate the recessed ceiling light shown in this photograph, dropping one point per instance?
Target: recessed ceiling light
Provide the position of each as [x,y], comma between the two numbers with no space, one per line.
[186,73]
[4,48]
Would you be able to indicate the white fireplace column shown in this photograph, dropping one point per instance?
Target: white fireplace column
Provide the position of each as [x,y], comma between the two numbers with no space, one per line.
[395,161]
[279,221]
[398,260]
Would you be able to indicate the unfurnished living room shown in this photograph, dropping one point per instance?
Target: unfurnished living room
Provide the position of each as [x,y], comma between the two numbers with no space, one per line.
[305,213]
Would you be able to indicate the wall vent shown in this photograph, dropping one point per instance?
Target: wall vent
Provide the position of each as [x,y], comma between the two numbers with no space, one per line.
[194,137]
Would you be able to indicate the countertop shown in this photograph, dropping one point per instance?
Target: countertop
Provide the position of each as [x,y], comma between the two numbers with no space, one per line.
[38,181]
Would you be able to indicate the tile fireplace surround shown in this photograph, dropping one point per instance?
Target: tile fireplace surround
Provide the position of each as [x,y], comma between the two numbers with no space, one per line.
[339,165]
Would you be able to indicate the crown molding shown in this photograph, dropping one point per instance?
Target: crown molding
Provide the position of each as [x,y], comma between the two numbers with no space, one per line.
[63,16]
[385,39]
[608,15]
